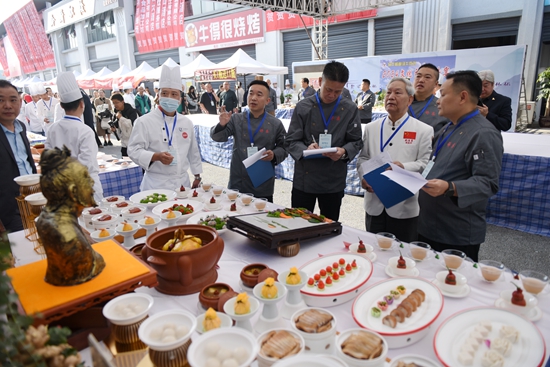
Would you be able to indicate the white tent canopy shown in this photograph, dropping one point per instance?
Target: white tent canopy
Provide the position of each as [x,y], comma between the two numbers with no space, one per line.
[138,74]
[200,63]
[121,71]
[100,74]
[247,65]
[86,74]
[155,74]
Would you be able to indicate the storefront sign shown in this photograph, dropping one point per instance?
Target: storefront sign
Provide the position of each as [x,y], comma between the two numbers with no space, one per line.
[278,21]
[216,75]
[233,30]
[67,14]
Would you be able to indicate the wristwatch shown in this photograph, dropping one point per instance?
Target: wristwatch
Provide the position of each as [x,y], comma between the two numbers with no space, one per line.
[451,190]
[198,177]
[344,156]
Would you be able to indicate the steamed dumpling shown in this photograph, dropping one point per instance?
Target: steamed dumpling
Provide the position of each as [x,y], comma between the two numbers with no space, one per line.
[492,359]
[242,304]
[211,320]
[510,333]
[503,346]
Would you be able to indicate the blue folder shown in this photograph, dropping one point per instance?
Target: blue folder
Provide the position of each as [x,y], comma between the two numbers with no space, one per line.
[260,172]
[389,192]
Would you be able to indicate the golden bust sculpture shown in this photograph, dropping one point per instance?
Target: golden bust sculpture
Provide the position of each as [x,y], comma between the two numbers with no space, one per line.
[67,185]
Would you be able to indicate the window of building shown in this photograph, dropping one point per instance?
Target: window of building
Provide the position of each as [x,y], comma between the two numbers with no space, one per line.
[487,33]
[101,27]
[69,37]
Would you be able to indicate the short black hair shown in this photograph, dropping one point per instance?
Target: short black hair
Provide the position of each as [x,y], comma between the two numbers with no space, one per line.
[6,84]
[467,80]
[366,81]
[260,82]
[70,106]
[305,80]
[48,88]
[118,97]
[336,71]
[431,66]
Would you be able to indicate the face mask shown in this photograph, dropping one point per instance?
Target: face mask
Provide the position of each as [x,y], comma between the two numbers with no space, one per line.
[169,104]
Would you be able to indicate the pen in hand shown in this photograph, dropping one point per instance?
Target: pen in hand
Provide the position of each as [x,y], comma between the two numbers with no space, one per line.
[313,137]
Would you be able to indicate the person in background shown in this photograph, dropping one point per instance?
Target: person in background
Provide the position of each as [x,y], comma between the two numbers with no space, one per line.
[409,143]
[104,110]
[15,155]
[183,107]
[142,102]
[125,116]
[331,121]
[424,106]
[277,89]
[163,142]
[272,104]
[192,100]
[228,99]
[267,132]
[365,101]
[21,116]
[463,172]
[307,90]
[129,96]
[209,101]
[437,92]
[71,132]
[88,115]
[47,109]
[33,112]
[239,91]
[496,107]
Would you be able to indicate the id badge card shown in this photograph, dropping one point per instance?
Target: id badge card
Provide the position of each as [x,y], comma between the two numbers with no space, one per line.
[428,168]
[49,116]
[325,140]
[251,151]
[212,103]
[174,154]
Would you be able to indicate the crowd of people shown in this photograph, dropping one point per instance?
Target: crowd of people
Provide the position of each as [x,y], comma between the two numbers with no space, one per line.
[454,141]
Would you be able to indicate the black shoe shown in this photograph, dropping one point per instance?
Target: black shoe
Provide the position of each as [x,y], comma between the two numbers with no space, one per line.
[109,143]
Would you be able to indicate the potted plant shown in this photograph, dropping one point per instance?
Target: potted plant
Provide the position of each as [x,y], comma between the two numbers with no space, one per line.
[543,81]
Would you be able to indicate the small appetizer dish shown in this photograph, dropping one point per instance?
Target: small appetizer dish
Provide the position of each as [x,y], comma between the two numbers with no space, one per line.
[451,281]
[223,347]
[211,320]
[518,301]
[104,221]
[167,330]
[402,266]
[318,328]
[278,344]
[133,214]
[102,235]
[171,217]
[183,192]
[106,202]
[128,308]
[361,348]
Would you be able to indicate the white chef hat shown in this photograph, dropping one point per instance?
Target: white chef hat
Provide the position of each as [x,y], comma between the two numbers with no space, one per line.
[287,82]
[115,88]
[127,85]
[156,85]
[142,85]
[441,79]
[67,88]
[170,77]
[40,89]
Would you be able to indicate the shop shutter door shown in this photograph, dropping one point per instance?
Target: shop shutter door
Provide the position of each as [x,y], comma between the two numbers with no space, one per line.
[545,36]
[388,35]
[486,29]
[157,58]
[297,47]
[347,40]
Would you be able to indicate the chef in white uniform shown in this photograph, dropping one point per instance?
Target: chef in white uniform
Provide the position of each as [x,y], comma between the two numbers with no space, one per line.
[47,110]
[32,111]
[72,132]
[163,142]
[129,96]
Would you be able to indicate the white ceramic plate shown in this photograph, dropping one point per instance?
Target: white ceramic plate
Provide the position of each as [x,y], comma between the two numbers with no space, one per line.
[197,207]
[460,294]
[195,219]
[529,350]
[345,288]
[423,317]
[414,358]
[535,314]
[389,272]
[170,195]
[309,360]
[370,251]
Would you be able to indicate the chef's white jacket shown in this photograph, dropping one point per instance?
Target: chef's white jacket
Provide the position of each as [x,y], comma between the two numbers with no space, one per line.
[149,136]
[47,110]
[33,115]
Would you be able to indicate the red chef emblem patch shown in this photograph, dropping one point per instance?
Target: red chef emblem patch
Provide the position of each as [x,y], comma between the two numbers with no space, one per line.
[184,135]
[409,137]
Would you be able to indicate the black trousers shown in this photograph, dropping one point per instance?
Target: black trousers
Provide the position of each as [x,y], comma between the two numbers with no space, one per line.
[124,151]
[328,203]
[472,251]
[404,229]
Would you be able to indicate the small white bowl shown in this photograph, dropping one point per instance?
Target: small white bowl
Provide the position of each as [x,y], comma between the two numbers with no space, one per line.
[96,238]
[226,321]
[118,310]
[265,361]
[36,199]
[461,280]
[171,221]
[177,318]
[120,226]
[411,264]
[87,217]
[28,180]
[212,206]
[133,217]
[97,224]
[105,203]
[229,338]
[530,300]
[354,362]
[114,208]
[319,342]
[320,360]
[183,194]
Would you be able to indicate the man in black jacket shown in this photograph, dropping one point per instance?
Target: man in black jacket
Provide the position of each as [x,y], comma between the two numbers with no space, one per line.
[89,116]
[15,155]
[125,115]
[229,98]
[496,107]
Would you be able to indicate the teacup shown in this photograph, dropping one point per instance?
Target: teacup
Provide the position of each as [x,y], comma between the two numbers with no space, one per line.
[217,190]
[246,199]
[453,258]
[260,204]
[533,281]
[491,270]
[385,240]
[419,250]
[232,195]
[206,186]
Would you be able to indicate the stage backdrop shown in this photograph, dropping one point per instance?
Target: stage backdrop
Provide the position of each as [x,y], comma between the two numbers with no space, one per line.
[506,62]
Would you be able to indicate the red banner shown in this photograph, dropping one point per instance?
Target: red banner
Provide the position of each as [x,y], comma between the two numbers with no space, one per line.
[158,24]
[232,30]
[4,60]
[278,21]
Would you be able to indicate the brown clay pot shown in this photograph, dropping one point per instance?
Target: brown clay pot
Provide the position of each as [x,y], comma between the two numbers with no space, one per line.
[250,280]
[184,272]
[208,300]
[224,298]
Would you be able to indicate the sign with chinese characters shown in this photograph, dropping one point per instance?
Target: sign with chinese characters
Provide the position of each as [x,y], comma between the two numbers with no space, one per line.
[216,75]
[406,68]
[72,12]
[233,30]
[278,21]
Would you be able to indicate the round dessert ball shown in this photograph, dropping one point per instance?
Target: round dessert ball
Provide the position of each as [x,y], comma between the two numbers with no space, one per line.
[223,354]
[212,349]
[230,363]
[212,362]
[240,354]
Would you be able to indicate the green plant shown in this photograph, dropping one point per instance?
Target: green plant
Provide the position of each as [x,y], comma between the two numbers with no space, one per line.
[543,81]
[20,343]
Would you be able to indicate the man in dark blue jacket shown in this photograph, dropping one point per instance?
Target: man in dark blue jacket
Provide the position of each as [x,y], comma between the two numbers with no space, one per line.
[496,107]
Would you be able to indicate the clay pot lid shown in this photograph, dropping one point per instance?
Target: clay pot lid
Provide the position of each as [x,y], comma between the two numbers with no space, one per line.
[226,297]
[267,273]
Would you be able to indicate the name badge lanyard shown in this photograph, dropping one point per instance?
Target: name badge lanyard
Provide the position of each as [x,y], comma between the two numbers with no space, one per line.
[441,143]
[382,144]
[48,107]
[73,118]
[423,110]
[168,134]
[325,121]
[257,129]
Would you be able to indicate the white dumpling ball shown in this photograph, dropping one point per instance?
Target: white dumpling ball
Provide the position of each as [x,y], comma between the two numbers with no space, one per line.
[212,362]
[156,334]
[130,314]
[168,339]
[168,332]
[240,354]
[212,348]
[138,308]
[223,354]
[230,363]
[181,331]
[169,326]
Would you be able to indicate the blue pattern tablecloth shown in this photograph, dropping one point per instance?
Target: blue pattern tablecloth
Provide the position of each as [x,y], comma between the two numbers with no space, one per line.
[123,182]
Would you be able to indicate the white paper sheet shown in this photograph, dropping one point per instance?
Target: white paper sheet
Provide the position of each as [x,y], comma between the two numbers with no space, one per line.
[310,152]
[254,158]
[412,181]
[376,162]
